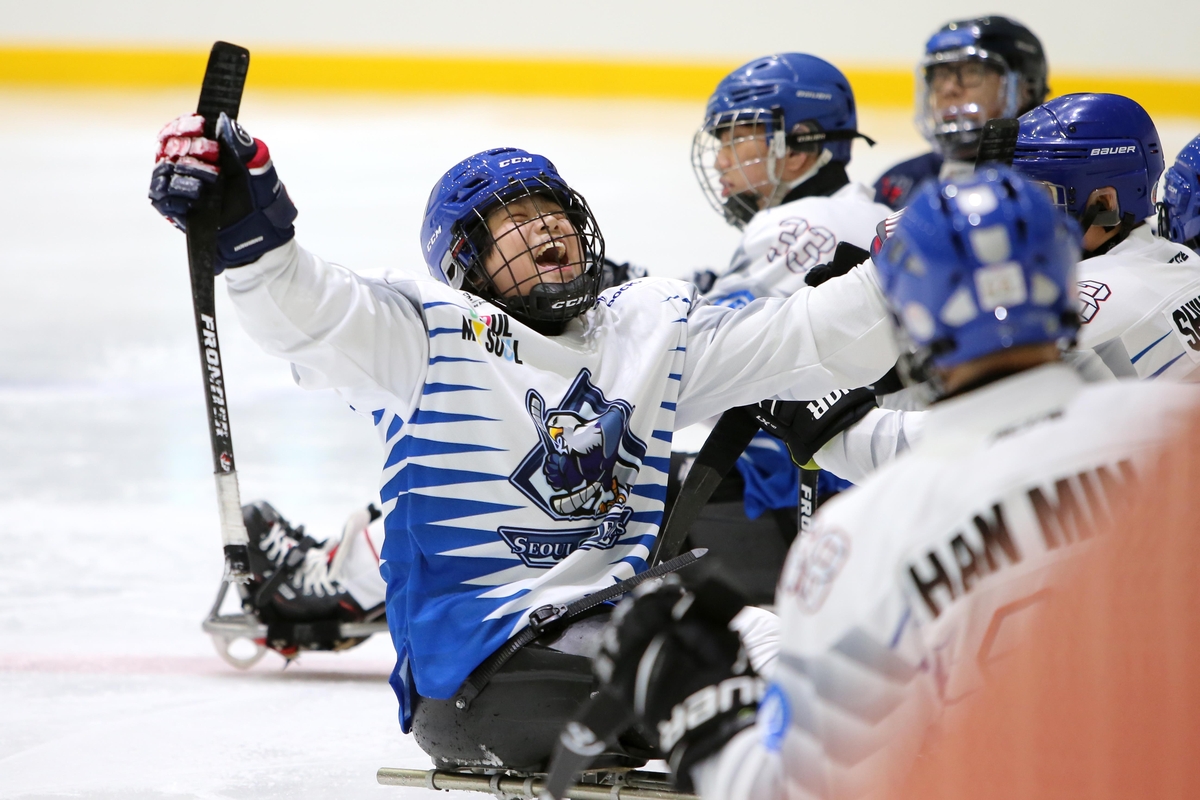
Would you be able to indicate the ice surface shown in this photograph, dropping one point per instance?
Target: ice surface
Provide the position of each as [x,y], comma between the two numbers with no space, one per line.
[109,548]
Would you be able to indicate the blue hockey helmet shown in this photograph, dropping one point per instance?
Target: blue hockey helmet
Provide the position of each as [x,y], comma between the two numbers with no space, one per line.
[538,269]
[979,265]
[1179,198]
[967,49]
[795,102]
[1078,143]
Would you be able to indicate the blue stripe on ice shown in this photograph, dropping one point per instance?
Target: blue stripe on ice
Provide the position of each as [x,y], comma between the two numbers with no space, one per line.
[412,447]
[394,427]
[440,388]
[637,562]
[426,417]
[420,476]
[655,491]
[1163,368]
[1134,360]
[658,463]
[419,510]
[646,540]
[453,360]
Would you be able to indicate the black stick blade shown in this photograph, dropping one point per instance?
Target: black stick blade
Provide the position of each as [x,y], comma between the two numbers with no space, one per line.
[998,144]
[224,80]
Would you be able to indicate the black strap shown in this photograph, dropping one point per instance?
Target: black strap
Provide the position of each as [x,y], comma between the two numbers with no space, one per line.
[727,441]
[548,617]
[828,180]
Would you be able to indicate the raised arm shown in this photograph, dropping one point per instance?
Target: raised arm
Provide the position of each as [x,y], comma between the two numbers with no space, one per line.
[834,336]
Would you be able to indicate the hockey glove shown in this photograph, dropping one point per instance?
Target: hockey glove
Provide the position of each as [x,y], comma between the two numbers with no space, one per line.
[805,426]
[845,258]
[256,212]
[670,655]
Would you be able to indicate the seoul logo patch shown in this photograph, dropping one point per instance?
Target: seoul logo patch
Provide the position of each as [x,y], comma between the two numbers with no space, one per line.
[543,549]
[586,459]
[802,246]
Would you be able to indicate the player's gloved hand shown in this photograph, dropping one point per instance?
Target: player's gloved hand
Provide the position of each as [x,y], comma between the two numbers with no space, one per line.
[805,426]
[555,469]
[256,212]
[614,274]
[184,164]
[670,655]
[845,258]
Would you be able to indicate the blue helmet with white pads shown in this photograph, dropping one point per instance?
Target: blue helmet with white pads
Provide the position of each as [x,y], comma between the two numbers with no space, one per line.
[979,265]
[1078,143]
[545,265]
[796,101]
[1179,198]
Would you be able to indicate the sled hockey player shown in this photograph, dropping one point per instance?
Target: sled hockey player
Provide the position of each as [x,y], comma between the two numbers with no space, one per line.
[1100,156]
[1179,198]
[771,157]
[911,587]
[973,70]
[526,419]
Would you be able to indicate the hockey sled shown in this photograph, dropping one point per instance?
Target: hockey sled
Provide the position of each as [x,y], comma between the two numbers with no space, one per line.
[597,785]
[288,639]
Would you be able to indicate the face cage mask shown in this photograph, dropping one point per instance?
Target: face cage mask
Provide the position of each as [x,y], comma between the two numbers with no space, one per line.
[739,208]
[550,253]
[956,130]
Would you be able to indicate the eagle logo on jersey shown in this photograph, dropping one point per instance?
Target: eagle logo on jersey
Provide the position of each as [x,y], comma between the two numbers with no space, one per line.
[586,459]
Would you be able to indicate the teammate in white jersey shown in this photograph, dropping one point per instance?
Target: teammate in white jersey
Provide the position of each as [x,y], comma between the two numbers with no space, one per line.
[1179,198]
[1140,295]
[771,157]
[911,586]
[526,418]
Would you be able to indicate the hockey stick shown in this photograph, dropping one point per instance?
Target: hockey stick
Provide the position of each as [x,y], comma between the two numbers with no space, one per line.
[727,441]
[221,91]
[998,144]
[807,505]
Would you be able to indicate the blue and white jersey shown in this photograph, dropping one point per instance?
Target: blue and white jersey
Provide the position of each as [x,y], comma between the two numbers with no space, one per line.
[779,246]
[522,469]
[1140,308]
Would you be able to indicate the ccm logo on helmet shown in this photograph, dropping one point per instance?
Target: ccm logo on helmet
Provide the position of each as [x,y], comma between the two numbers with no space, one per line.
[574,301]
[432,239]
[517,160]
[1112,151]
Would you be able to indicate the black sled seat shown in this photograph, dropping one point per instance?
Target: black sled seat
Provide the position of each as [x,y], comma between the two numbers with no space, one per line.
[514,723]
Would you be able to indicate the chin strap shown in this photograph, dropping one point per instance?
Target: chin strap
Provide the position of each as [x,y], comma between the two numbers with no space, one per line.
[1095,215]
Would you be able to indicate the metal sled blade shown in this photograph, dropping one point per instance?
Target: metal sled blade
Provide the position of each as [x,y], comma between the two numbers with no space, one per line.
[225,629]
[611,786]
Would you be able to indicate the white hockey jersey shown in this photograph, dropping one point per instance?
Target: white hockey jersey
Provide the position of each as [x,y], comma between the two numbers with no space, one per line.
[912,584]
[781,244]
[1140,308]
[522,469]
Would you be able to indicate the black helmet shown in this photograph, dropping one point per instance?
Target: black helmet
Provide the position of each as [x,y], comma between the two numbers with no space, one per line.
[1003,44]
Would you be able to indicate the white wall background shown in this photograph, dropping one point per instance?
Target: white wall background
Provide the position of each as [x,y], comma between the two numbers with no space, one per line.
[1103,36]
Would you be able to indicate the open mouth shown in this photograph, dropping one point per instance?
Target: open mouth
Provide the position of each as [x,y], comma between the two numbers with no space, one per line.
[551,255]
